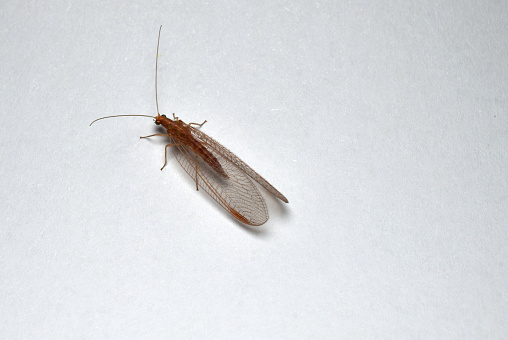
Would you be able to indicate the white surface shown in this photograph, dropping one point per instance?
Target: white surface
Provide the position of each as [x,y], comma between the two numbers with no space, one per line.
[384,123]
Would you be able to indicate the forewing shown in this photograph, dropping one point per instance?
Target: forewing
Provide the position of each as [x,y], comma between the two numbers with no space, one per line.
[218,148]
[237,193]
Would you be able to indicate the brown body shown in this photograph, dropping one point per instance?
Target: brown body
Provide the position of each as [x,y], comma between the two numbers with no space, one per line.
[181,132]
[218,171]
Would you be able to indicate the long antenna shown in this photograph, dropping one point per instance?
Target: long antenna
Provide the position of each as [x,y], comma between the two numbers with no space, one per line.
[156,100]
[156,62]
[121,116]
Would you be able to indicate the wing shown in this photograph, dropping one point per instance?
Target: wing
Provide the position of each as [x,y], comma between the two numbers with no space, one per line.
[237,194]
[217,148]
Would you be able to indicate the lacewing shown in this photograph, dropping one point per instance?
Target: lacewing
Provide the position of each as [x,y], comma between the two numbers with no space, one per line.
[215,169]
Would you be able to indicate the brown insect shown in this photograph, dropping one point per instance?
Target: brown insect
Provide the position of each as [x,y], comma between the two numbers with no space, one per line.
[218,171]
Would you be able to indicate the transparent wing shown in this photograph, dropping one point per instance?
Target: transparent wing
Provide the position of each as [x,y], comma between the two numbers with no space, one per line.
[237,194]
[217,148]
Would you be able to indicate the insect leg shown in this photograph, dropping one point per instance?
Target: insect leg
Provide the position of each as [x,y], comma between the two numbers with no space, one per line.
[166,153]
[165,149]
[200,125]
[157,134]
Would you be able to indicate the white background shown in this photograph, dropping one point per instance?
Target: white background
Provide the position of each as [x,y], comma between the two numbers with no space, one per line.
[384,123]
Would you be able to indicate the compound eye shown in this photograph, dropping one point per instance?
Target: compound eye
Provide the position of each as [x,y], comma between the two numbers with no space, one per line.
[157,122]
[164,116]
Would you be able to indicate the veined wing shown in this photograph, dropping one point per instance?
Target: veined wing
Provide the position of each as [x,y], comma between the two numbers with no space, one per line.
[237,194]
[217,148]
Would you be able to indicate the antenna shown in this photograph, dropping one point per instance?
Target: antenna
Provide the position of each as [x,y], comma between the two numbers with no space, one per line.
[120,116]
[156,62]
[156,100]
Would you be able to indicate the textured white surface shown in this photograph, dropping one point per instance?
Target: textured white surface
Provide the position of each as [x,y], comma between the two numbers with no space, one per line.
[385,124]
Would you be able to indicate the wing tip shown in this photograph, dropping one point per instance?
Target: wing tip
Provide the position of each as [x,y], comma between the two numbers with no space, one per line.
[280,196]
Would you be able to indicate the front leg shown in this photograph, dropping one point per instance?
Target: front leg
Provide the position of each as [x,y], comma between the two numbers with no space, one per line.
[165,149]
[157,134]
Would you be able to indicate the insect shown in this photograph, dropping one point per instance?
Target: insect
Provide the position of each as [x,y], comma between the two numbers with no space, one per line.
[215,169]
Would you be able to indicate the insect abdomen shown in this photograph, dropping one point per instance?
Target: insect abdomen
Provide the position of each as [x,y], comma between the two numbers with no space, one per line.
[209,158]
